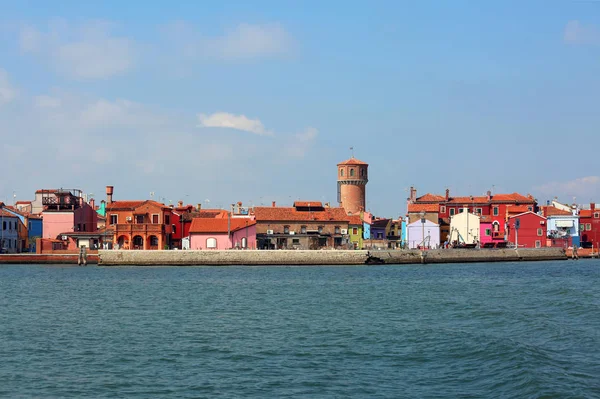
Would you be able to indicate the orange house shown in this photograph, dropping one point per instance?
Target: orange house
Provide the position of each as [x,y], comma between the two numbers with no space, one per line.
[139,224]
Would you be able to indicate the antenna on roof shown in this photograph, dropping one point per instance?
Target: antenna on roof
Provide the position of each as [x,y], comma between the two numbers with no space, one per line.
[151,194]
[352,151]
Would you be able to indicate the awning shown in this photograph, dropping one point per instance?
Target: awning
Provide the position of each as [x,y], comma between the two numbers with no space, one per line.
[564,223]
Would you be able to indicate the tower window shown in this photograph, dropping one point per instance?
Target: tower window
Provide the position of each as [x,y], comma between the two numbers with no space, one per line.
[351,172]
[341,172]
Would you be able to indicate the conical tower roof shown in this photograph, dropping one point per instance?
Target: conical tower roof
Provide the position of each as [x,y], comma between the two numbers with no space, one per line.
[353,161]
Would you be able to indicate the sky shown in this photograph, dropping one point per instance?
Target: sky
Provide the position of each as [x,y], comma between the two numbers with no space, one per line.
[257,101]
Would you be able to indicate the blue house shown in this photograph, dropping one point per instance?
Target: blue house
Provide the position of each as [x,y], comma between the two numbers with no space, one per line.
[32,223]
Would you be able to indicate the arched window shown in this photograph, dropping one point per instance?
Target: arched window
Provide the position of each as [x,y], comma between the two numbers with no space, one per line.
[496,226]
[362,172]
[351,172]
[244,242]
[211,242]
[341,172]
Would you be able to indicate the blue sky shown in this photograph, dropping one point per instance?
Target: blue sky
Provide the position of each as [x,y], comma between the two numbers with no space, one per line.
[219,102]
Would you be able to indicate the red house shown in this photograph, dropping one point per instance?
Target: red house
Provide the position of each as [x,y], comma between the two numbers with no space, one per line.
[589,226]
[531,232]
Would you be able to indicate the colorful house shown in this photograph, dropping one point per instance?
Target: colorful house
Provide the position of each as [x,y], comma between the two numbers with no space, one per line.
[531,231]
[9,231]
[589,226]
[142,224]
[65,211]
[423,234]
[562,224]
[485,231]
[355,232]
[223,233]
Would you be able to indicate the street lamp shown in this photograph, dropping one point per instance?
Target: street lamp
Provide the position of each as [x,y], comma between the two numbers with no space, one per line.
[422,214]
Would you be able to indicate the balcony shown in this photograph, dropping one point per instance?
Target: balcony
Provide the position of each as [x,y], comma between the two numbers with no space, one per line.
[133,228]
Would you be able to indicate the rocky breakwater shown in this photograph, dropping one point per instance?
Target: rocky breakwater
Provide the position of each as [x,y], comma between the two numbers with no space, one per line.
[231,258]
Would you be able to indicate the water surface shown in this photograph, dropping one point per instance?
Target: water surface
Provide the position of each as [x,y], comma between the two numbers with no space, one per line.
[493,330]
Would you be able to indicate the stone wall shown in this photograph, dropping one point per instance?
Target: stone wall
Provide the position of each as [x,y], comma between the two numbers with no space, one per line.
[326,257]
[232,257]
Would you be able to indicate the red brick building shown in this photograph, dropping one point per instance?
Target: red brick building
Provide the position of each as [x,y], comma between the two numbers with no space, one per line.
[142,224]
[353,176]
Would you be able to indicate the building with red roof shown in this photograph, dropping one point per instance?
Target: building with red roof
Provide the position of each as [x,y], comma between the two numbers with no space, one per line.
[301,226]
[138,224]
[589,226]
[223,233]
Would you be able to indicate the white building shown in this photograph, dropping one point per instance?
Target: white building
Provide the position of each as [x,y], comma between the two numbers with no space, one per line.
[423,233]
[465,228]
[9,232]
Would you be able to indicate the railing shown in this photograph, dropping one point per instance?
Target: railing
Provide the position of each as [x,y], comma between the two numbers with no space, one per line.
[139,228]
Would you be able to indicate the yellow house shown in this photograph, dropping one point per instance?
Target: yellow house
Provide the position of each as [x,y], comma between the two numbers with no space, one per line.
[464,227]
[355,231]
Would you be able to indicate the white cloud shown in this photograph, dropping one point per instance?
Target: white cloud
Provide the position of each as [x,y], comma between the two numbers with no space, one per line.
[577,33]
[45,101]
[7,92]
[231,121]
[301,142]
[244,42]
[582,187]
[251,41]
[87,51]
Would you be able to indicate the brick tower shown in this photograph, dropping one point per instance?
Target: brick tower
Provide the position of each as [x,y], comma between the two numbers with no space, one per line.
[352,183]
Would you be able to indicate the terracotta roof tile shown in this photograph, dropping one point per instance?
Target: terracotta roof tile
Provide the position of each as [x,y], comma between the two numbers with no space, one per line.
[468,200]
[214,225]
[352,161]
[414,208]
[586,213]
[514,197]
[431,198]
[517,209]
[211,213]
[552,211]
[130,205]
[354,219]
[283,214]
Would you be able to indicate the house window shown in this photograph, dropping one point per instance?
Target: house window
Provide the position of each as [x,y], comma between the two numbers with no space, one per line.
[538,244]
[3,225]
[174,227]
[113,219]
[295,241]
[320,229]
[286,229]
[167,219]
[355,230]
[461,210]
[530,208]
[379,235]
[303,229]
[443,209]
[596,215]
[154,241]
[155,219]
[478,211]
[582,227]
[540,232]
[211,242]
[244,242]
[362,172]
[342,172]
[139,219]
[351,172]
[588,226]
[337,229]
[452,211]
[496,211]
[488,232]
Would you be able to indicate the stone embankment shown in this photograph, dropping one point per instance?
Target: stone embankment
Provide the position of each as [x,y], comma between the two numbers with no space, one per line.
[48,259]
[331,257]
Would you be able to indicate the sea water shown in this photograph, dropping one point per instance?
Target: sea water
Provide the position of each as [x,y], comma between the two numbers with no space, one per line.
[511,330]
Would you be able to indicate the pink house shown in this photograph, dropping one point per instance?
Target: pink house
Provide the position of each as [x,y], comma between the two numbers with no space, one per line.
[65,212]
[222,233]
[485,229]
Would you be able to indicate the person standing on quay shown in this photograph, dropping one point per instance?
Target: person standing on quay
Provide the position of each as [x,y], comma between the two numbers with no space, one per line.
[575,255]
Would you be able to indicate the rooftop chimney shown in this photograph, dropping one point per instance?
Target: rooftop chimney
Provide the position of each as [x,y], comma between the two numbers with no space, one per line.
[93,204]
[199,207]
[489,195]
[273,204]
[447,194]
[592,206]
[413,194]
[180,204]
[109,194]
